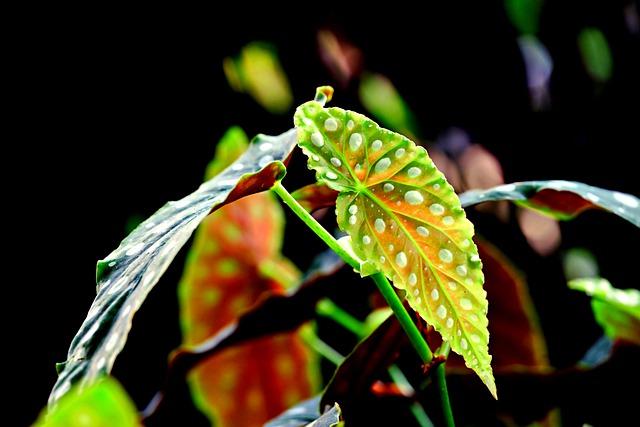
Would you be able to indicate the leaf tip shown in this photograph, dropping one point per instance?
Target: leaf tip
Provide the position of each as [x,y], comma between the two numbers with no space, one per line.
[323,94]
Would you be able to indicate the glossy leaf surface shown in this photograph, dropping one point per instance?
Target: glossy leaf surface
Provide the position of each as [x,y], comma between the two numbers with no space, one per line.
[404,218]
[103,404]
[224,277]
[129,273]
[617,311]
[561,200]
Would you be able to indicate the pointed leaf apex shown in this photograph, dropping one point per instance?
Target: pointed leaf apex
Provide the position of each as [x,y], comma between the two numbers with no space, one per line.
[323,94]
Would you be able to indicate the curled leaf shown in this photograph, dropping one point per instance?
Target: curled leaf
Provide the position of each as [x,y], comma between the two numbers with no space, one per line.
[129,273]
[562,200]
[405,219]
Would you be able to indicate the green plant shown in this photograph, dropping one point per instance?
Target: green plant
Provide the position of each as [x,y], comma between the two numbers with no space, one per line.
[406,229]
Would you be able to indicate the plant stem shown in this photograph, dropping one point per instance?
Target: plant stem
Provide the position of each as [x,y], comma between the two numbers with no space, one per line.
[314,225]
[385,288]
[321,347]
[329,309]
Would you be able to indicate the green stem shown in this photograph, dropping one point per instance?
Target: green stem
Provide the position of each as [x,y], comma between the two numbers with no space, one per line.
[329,309]
[385,288]
[321,347]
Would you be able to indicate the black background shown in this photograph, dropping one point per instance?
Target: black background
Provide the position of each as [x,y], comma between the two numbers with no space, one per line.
[119,111]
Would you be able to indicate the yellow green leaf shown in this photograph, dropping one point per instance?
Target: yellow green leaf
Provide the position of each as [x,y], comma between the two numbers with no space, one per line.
[404,218]
[103,404]
[617,311]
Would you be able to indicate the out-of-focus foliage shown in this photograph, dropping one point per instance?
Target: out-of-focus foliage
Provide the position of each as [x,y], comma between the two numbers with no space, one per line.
[617,311]
[382,99]
[579,263]
[224,276]
[128,274]
[342,59]
[524,14]
[596,54]
[103,404]
[405,219]
[315,196]
[257,71]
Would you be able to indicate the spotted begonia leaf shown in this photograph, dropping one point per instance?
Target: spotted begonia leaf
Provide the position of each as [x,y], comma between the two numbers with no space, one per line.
[561,200]
[404,218]
[617,311]
[224,277]
[103,404]
[128,274]
[315,196]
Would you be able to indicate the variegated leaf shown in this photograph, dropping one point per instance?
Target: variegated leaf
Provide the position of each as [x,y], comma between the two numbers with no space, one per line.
[128,274]
[405,219]
[235,260]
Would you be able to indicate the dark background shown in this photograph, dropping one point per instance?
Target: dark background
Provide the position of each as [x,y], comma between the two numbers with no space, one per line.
[120,111]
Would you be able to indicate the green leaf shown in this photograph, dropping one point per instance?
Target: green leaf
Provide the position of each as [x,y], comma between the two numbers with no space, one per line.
[617,311]
[596,54]
[258,72]
[404,218]
[524,14]
[129,273]
[380,96]
[103,404]
[561,200]
[231,146]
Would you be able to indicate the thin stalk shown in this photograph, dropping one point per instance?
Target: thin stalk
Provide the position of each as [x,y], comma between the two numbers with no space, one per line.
[322,348]
[387,291]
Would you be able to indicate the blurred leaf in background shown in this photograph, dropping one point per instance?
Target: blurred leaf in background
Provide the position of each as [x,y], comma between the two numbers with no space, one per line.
[617,311]
[382,99]
[257,71]
[234,260]
[596,54]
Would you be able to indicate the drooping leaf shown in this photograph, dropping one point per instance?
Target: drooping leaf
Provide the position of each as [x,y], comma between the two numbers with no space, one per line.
[307,414]
[103,404]
[129,273]
[315,196]
[275,313]
[382,99]
[561,200]
[257,71]
[404,219]
[617,311]
[224,277]
[596,54]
